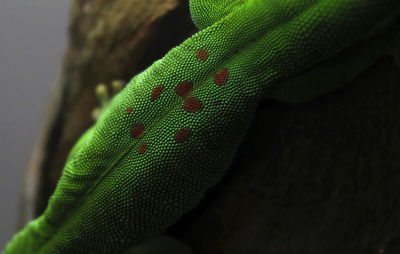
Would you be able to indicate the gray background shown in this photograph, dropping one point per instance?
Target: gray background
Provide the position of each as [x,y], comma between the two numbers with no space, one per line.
[32,41]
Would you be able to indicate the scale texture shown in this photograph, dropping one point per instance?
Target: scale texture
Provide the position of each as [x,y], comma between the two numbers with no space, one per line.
[172,132]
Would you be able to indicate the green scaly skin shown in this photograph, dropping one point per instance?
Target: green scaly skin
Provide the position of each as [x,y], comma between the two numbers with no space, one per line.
[172,132]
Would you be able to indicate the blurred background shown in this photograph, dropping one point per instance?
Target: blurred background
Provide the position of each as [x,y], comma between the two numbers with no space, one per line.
[32,41]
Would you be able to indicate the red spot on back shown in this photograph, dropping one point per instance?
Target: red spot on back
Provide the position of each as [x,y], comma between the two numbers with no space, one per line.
[182,135]
[156,92]
[142,148]
[129,110]
[202,55]
[192,105]
[221,77]
[184,89]
[137,131]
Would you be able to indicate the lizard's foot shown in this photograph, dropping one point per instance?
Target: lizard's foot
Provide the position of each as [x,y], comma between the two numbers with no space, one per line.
[104,96]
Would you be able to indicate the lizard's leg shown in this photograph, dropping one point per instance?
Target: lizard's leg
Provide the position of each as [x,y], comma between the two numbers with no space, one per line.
[338,70]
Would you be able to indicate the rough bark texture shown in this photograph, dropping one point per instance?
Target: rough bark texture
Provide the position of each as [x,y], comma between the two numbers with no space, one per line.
[317,177]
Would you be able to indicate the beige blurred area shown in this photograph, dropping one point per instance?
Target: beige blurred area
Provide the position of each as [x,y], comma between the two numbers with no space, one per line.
[33,36]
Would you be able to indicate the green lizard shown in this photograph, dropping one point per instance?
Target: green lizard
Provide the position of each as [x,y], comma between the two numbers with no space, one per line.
[172,132]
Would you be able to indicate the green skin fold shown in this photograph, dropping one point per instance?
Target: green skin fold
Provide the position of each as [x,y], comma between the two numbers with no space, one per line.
[173,131]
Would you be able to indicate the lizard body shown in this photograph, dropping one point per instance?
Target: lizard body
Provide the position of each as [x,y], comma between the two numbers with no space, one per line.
[172,132]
